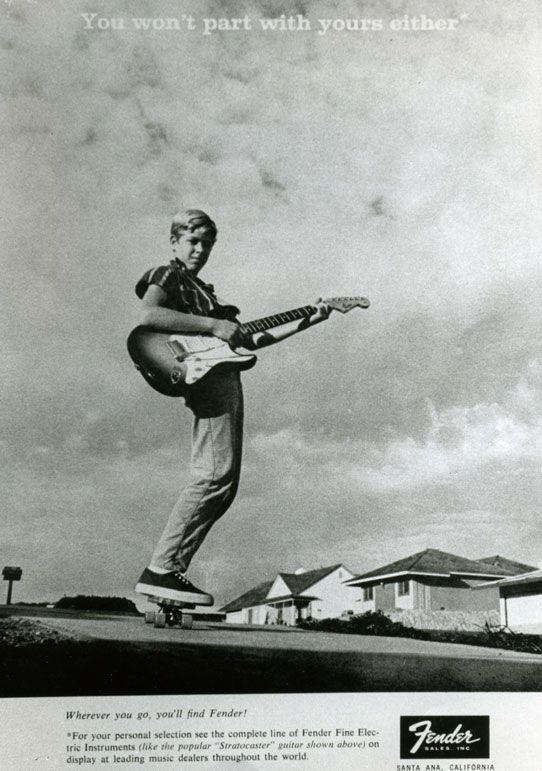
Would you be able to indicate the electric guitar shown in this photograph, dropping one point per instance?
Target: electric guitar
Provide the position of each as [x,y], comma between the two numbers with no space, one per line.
[172,362]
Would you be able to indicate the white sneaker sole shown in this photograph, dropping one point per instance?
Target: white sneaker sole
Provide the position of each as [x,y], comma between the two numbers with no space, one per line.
[193,598]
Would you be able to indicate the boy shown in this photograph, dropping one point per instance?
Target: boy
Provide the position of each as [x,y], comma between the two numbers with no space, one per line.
[175,299]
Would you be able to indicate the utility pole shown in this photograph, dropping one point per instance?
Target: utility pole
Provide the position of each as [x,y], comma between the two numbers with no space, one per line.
[10,575]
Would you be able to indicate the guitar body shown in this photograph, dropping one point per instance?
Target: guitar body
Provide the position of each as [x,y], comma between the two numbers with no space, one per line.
[172,362]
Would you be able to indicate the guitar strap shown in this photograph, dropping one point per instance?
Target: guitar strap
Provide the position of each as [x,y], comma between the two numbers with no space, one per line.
[211,302]
[208,299]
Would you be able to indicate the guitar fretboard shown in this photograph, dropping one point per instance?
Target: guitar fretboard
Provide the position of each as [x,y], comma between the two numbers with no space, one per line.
[268,322]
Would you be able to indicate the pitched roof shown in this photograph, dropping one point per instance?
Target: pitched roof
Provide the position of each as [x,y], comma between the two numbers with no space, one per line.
[432,561]
[299,582]
[508,567]
[296,583]
[283,597]
[252,597]
[534,576]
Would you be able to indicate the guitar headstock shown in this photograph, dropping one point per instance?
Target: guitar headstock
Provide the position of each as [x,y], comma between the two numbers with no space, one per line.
[345,304]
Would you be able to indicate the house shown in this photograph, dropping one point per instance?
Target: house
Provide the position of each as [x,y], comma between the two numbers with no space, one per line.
[520,601]
[433,580]
[290,597]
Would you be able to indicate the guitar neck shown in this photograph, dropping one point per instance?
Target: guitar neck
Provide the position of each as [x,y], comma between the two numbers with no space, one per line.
[268,322]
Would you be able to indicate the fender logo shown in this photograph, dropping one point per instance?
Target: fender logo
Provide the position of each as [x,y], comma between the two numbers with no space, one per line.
[424,734]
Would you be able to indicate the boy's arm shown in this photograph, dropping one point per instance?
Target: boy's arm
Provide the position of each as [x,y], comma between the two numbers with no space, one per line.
[155,316]
[271,336]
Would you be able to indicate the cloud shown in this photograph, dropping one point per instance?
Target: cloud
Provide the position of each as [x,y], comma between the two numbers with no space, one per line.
[333,164]
[456,441]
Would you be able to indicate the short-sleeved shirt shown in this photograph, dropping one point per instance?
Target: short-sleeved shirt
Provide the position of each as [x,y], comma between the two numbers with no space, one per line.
[185,293]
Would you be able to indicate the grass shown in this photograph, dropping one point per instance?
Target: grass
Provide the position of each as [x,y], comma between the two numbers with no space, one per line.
[377,623]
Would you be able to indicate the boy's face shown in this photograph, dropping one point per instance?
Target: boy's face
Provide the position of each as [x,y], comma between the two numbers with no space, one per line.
[193,249]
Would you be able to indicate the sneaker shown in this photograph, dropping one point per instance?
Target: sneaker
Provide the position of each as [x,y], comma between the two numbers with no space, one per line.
[171,586]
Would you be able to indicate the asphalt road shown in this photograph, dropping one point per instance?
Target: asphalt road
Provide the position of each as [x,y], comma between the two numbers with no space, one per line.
[262,659]
[274,638]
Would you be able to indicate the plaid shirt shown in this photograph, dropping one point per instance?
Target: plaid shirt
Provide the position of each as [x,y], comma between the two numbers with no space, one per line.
[185,293]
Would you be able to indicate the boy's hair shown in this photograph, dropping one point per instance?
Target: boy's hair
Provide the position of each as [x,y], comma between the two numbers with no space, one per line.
[190,220]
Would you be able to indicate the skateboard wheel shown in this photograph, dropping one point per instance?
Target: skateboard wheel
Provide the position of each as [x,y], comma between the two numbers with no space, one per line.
[187,621]
[160,620]
[149,616]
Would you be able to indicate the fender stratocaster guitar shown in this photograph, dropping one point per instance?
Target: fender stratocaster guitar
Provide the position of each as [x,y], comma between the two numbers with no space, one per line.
[172,362]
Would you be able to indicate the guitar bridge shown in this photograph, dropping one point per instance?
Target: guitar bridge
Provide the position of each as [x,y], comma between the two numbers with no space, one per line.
[176,349]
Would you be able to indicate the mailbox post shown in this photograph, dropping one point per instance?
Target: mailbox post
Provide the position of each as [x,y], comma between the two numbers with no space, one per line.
[10,575]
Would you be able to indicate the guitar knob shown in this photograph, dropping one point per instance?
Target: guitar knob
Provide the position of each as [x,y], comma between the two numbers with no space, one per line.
[176,376]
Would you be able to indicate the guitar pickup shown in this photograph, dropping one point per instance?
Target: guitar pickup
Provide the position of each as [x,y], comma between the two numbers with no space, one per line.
[176,349]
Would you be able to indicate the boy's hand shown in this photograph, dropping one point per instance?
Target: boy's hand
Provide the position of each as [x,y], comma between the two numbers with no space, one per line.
[229,331]
[322,312]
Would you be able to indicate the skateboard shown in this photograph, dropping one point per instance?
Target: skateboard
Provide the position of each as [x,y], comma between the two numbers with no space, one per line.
[170,613]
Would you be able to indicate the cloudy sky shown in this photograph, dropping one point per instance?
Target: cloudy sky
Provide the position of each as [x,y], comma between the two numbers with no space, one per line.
[400,165]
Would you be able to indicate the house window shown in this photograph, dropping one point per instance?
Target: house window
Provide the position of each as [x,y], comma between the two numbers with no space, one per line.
[403,588]
[368,593]
[250,616]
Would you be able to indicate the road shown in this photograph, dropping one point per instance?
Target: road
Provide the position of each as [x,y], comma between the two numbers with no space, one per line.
[239,658]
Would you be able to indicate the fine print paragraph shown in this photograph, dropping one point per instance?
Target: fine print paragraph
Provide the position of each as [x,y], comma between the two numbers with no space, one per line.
[187,736]
[283,24]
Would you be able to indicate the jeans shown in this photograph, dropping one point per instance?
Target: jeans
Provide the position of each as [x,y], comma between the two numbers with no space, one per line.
[215,466]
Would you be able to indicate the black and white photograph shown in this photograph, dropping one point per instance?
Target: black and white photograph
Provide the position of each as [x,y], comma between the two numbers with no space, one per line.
[271,423]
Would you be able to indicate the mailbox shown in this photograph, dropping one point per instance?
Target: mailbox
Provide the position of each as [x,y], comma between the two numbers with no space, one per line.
[11,574]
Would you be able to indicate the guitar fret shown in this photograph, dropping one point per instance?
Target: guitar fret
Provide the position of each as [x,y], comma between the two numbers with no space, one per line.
[268,322]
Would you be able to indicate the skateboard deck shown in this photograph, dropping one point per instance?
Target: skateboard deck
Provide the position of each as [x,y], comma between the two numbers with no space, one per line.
[170,613]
